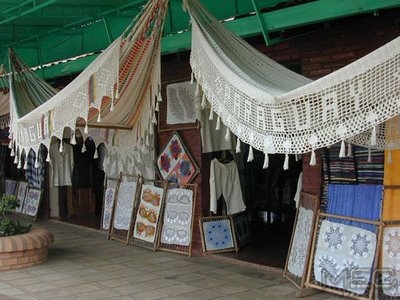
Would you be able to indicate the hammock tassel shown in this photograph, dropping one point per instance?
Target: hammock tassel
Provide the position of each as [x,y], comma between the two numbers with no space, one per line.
[10,145]
[154,120]
[147,140]
[159,97]
[286,162]
[237,145]
[227,135]
[197,89]
[73,140]
[98,117]
[151,129]
[211,115]
[26,164]
[218,126]
[157,107]
[313,160]
[191,78]
[83,148]
[349,150]
[112,105]
[86,130]
[373,136]
[16,159]
[251,155]
[266,161]
[48,157]
[61,148]
[369,155]
[389,158]
[12,154]
[96,154]
[342,152]
[19,166]
[203,101]
[37,163]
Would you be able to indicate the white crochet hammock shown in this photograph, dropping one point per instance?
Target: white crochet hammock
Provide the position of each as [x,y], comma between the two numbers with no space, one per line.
[117,90]
[276,110]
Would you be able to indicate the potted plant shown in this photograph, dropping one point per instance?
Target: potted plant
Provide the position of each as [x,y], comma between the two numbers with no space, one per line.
[8,226]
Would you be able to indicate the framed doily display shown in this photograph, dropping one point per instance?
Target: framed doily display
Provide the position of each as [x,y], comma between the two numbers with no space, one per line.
[108,204]
[175,164]
[32,201]
[177,226]
[217,234]
[300,244]
[21,194]
[343,257]
[150,208]
[125,200]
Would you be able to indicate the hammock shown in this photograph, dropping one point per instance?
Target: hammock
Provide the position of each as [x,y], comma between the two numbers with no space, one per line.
[117,90]
[278,111]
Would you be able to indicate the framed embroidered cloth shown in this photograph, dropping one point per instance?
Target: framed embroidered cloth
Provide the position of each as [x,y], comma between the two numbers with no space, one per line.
[217,234]
[108,204]
[175,164]
[180,99]
[344,257]
[10,186]
[391,261]
[177,226]
[147,219]
[32,202]
[123,209]
[21,193]
[300,244]
[242,228]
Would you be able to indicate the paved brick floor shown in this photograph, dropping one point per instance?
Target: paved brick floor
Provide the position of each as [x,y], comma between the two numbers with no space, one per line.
[83,264]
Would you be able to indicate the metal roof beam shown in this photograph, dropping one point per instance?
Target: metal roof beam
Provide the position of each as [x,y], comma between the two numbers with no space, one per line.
[22,11]
[285,18]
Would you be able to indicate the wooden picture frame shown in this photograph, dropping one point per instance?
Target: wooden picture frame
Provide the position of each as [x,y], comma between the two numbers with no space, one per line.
[242,228]
[10,186]
[297,260]
[109,193]
[148,215]
[319,277]
[21,192]
[32,202]
[175,164]
[177,224]
[217,234]
[125,200]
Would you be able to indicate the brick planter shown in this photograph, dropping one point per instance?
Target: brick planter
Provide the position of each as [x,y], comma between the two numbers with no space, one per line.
[24,250]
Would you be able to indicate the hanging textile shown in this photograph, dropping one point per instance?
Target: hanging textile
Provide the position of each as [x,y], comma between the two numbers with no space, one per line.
[118,89]
[369,165]
[391,203]
[224,181]
[181,103]
[278,111]
[358,201]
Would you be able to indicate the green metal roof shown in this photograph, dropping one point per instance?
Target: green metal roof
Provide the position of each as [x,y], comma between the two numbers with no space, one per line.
[48,31]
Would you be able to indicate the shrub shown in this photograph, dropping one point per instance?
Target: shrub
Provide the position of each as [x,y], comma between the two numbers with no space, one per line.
[8,226]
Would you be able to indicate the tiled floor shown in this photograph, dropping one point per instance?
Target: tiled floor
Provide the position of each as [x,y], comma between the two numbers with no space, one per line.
[84,265]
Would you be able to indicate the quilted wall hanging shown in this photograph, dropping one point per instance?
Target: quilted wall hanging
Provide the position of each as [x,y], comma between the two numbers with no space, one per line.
[175,163]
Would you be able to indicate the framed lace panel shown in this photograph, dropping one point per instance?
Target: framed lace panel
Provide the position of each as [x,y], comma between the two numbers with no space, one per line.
[177,223]
[300,244]
[344,257]
[217,234]
[108,204]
